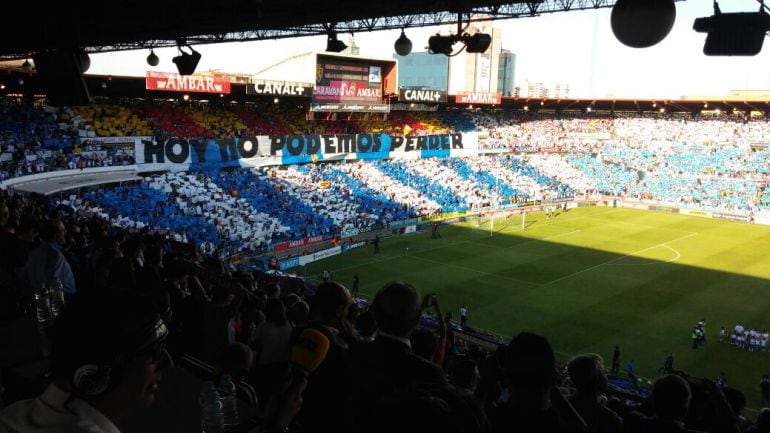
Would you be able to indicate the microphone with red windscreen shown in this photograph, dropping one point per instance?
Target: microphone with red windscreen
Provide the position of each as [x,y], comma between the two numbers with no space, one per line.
[308,351]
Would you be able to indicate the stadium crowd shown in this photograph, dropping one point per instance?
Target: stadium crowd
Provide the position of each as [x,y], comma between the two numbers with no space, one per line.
[394,363]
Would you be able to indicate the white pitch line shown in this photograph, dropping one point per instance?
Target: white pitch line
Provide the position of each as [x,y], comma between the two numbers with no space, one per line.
[618,258]
[653,262]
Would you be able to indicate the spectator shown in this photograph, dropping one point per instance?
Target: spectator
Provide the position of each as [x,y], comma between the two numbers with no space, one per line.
[535,404]
[464,377]
[100,374]
[387,364]
[671,400]
[272,343]
[630,371]
[590,380]
[329,387]
[46,261]
[737,401]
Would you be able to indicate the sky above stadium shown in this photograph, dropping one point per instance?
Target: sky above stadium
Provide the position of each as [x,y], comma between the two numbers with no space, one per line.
[576,48]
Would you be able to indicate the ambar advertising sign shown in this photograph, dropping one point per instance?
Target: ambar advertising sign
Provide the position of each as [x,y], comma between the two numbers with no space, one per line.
[478,98]
[186,83]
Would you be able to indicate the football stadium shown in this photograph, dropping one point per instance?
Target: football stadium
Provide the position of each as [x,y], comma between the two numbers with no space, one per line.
[407,241]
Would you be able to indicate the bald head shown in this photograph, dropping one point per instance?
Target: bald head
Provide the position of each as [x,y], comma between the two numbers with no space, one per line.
[397,308]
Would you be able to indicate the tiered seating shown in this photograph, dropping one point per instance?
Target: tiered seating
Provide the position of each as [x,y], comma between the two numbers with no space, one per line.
[401,171]
[26,127]
[608,178]
[556,166]
[472,195]
[149,205]
[262,124]
[418,123]
[371,204]
[477,170]
[222,123]
[407,195]
[456,120]
[169,121]
[237,221]
[530,172]
[707,193]
[297,219]
[332,208]
[111,121]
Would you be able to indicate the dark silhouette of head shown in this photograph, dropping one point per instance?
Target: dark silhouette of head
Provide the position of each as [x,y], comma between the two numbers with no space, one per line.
[275,312]
[530,365]
[671,397]
[396,308]
[236,360]
[587,373]
[330,303]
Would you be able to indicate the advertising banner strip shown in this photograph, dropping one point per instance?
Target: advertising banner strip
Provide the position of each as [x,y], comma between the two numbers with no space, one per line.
[279,88]
[731,217]
[298,243]
[422,95]
[693,212]
[478,98]
[327,253]
[186,83]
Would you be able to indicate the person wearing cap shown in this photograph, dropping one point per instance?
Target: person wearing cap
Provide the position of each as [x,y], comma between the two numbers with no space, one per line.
[108,357]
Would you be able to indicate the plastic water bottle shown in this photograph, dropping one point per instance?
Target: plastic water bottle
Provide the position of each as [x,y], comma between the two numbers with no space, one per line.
[56,297]
[211,409]
[43,305]
[227,394]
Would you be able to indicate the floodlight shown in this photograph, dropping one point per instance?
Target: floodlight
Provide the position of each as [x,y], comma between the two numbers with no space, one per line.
[333,44]
[152,58]
[403,45]
[186,63]
[733,34]
[478,43]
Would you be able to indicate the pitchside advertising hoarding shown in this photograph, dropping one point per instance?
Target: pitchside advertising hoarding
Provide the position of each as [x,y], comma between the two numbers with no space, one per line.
[186,83]
[180,154]
[348,85]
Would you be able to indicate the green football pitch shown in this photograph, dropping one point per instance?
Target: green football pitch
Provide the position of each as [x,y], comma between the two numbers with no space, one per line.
[593,278]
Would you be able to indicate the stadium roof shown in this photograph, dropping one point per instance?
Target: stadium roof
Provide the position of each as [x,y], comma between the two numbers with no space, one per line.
[122,24]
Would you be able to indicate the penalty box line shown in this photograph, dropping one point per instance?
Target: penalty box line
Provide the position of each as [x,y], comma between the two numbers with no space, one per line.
[662,244]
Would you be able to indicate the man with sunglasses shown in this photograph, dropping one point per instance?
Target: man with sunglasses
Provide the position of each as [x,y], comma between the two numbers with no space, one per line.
[107,358]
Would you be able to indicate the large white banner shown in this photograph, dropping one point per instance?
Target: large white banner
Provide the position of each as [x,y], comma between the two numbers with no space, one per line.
[181,154]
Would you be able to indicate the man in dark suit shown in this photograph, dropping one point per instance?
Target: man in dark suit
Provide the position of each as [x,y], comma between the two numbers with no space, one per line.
[327,399]
[387,365]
